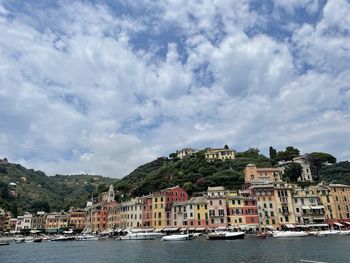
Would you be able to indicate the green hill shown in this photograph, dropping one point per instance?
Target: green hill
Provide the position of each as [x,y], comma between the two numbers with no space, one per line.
[337,173]
[194,173]
[34,190]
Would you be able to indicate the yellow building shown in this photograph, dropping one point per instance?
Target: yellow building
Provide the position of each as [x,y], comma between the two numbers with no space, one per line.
[219,154]
[159,217]
[341,202]
[254,174]
[284,203]
[266,203]
[201,211]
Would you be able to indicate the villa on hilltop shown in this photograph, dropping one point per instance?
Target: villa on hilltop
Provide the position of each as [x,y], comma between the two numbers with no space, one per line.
[219,154]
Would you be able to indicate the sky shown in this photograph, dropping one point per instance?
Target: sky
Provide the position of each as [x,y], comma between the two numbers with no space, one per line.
[101,87]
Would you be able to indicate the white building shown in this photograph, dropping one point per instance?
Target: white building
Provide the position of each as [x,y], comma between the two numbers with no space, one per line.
[185,152]
[24,222]
[305,165]
[307,208]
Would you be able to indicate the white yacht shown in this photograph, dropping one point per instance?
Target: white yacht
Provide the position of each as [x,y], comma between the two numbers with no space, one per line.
[328,233]
[226,235]
[85,237]
[139,236]
[284,234]
[178,237]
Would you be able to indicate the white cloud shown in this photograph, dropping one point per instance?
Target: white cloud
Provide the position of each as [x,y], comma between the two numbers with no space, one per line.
[77,96]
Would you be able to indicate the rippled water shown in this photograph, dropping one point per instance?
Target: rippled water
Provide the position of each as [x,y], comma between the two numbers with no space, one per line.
[326,249]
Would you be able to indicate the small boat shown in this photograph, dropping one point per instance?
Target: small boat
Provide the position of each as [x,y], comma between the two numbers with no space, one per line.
[284,234]
[261,235]
[328,233]
[4,243]
[20,240]
[219,235]
[37,240]
[178,237]
[139,236]
[86,238]
[63,238]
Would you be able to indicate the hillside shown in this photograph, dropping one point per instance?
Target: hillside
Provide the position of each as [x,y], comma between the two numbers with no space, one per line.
[195,174]
[34,190]
[338,173]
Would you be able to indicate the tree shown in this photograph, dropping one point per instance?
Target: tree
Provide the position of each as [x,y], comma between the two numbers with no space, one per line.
[318,160]
[226,147]
[272,153]
[293,172]
[188,187]
[41,205]
[172,155]
[288,154]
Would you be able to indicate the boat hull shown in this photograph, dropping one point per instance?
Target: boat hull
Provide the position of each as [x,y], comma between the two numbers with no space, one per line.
[224,237]
[290,234]
[177,238]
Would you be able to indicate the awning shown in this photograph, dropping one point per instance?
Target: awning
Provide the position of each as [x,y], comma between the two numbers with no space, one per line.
[221,228]
[243,227]
[200,228]
[301,226]
[183,229]
[348,223]
[317,207]
[170,229]
[289,226]
[337,224]
[270,227]
[191,228]
[306,207]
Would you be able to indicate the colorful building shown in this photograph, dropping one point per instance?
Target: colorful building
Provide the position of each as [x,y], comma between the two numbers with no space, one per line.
[266,204]
[39,221]
[253,174]
[341,202]
[147,211]
[307,206]
[217,206]
[77,219]
[242,209]
[56,222]
[219,154]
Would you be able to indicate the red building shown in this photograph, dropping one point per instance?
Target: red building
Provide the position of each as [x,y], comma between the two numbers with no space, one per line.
[147,211]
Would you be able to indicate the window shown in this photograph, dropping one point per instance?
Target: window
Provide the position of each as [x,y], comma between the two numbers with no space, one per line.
[220,202]
[221,212]
[211,202]
[233,202]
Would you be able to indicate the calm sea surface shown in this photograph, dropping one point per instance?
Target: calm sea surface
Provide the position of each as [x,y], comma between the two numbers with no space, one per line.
[325,249]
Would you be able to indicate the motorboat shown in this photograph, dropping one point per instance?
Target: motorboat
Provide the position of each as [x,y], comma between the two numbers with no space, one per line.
[86,238]
[285,234]
[63,238]
[344,232]
[4,243]
[328,233]
[178,237]
[139,236]
[217,235]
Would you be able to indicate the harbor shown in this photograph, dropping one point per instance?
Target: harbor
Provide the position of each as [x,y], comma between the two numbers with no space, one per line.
[250,249]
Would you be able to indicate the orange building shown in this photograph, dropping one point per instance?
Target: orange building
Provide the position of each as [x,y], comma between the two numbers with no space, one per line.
[252,173]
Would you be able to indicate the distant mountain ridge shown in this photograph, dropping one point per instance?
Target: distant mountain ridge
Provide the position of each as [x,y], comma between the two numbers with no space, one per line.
[23,189]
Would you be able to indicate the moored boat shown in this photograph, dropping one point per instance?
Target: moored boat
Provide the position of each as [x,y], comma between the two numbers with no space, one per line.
[178,237]
[284,234]
[222,235]
[86,238]
[4,243]
[139,236]
[63,238]
[328,233]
